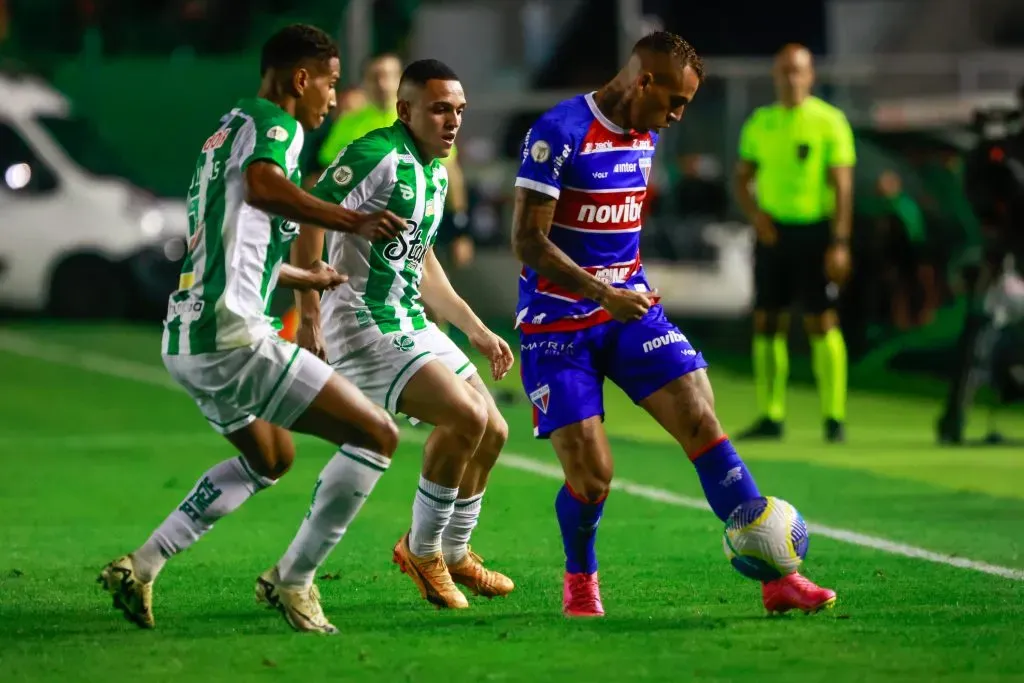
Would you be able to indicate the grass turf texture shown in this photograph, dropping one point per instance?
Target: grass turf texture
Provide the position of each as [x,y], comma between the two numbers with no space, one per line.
[93,462]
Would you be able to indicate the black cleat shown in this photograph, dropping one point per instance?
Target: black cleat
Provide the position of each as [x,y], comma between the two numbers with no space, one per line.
[835,432]
[950,429]
[764,429]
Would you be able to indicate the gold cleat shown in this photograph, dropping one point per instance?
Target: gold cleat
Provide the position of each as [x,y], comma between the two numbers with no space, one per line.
[430,574]
[133,597]
[471,573]
[300,607]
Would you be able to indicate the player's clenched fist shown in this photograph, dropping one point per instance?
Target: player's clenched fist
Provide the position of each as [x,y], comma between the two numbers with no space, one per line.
[627,304]
[497,352]
[380,225]
[324,277]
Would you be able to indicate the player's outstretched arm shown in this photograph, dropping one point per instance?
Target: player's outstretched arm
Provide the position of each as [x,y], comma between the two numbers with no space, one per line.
[438,293]
[317,278]
[531,224]
[268,189]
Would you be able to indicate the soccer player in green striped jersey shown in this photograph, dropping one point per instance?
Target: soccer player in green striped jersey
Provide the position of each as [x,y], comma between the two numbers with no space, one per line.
[374,332]
[219,342]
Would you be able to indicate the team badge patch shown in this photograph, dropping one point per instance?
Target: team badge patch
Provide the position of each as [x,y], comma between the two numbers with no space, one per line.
[277,133]
[541,397]
[540,151]
[645,168]
[402,342]
[342,175]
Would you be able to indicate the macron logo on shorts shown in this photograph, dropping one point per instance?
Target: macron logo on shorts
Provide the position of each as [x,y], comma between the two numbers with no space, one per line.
[540,398]
[672,337]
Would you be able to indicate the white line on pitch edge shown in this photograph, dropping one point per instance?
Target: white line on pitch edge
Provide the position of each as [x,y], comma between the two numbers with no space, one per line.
[149,374]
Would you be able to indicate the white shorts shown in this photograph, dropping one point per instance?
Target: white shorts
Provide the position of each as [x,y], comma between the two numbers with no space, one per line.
[382,368]
[273,380]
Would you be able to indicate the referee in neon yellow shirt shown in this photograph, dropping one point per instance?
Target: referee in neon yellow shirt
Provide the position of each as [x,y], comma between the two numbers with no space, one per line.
[798,154]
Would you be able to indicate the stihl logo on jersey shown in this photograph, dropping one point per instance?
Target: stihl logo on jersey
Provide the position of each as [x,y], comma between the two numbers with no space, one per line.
[627,212]
[614,275]
[407,246]
[664,340]
[215,140]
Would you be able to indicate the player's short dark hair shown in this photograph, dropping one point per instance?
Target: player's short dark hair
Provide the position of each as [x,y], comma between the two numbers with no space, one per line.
[665,43]
[294,43]
[423,70]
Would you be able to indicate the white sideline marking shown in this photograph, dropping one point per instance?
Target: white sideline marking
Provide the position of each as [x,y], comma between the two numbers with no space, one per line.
[149,374]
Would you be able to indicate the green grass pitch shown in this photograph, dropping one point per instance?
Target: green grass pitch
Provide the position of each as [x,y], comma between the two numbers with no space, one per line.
[98,447]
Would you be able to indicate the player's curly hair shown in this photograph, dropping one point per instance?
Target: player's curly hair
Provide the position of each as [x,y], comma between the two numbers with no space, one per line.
[294,43]
[663,42]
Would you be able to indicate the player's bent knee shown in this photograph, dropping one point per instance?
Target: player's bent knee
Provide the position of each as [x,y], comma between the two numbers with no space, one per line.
[494,439]
[497,432]
[468,415]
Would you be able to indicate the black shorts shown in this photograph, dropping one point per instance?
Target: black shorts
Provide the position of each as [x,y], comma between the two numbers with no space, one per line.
[792,271]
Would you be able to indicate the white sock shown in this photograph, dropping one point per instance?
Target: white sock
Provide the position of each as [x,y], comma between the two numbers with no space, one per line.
[344,485]
[219,492]
[431,511]
[455,538]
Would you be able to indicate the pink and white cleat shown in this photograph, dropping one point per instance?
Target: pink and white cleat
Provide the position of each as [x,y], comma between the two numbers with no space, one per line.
[796,592]
[581,596]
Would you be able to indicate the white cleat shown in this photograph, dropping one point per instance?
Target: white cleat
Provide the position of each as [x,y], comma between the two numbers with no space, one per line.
[133,597]
[299,606]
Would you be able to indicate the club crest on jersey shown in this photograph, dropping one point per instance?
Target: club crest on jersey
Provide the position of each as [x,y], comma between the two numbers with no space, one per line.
[645,168]
[541,397]
[540,151]
[403,343]
[277,133]
[342,175]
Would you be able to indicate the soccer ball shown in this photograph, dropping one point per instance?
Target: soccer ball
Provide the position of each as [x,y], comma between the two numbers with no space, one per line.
[765,539]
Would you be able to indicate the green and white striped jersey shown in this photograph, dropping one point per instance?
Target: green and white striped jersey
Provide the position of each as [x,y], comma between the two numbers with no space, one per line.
[382,170]
[235,251]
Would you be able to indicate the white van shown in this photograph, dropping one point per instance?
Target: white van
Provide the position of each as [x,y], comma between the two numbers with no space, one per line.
[76,238]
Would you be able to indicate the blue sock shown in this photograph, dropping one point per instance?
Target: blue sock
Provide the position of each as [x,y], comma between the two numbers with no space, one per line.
[578,521]
[726,480]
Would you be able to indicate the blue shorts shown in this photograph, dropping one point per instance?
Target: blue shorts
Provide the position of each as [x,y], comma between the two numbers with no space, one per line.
[563,372]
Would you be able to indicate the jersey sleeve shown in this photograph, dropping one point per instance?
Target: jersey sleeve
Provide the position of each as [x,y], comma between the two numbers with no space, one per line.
[547,147]
[272,137]
[358,172]
[748,139]
[841,150]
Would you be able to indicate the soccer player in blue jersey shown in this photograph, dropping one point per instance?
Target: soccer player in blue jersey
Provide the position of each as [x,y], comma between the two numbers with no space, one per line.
[586,310]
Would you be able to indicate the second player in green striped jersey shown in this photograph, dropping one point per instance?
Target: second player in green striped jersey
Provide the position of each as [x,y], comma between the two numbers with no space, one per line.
[376,336]
[382,170]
